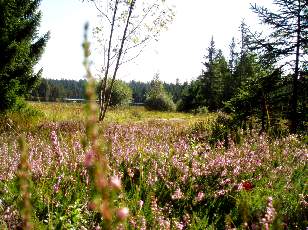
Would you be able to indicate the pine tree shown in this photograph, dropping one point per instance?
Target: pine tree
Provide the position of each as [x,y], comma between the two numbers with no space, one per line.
[207,77]
[259,95]
[233,55]
[288,40]
[214,78]
[20,49]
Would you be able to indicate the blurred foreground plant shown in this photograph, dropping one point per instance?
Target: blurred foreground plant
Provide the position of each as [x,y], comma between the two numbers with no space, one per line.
[95,159]
[24,177]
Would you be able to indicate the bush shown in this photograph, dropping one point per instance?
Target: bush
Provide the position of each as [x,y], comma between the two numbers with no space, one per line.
[201,110]
[157,98]
[161,102]
[121,94]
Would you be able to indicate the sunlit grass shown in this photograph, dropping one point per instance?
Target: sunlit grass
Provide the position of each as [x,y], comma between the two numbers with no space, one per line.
[57,111]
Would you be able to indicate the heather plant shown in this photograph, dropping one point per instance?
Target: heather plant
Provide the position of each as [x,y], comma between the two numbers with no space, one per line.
[168,178]
[148,170]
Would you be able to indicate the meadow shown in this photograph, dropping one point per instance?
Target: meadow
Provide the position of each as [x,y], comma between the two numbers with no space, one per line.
[140,169]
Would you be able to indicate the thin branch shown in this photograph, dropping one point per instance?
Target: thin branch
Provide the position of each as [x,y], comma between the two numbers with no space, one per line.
[104,82]
[129,60]
[141,21]
[138,44]
[99,10]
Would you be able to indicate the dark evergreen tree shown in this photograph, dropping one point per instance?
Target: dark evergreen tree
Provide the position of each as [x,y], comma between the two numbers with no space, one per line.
[230,83]
[174,90]
[192,97]
[207,79]
[288,41]
[245,39]
[259,95]
[52,90]
[233,55]
[212,88]
[222,80]
[20,49]
[214,78]
[140,90]
[43,90]
[242,69]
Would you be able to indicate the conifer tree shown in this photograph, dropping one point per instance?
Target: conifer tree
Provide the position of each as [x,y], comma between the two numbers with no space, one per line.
[288,41]
[207,78]
[233,55]
[214,78]
[20,49]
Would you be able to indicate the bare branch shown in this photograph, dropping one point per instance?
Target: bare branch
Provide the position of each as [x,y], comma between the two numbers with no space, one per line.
[104,82]
[142,20]
[131,59]
[138,44]
[101,12]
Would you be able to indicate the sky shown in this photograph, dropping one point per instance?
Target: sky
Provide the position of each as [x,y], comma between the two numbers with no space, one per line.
[178,53]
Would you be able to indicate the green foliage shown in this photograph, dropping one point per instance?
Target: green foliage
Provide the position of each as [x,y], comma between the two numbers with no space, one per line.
[201,110]
[140,90]
[53,90]
[192,97]
[121,94]
[262,95]
[20,49]
[220,129]
[212,87]
[161,102]
[286,43]
[158,98]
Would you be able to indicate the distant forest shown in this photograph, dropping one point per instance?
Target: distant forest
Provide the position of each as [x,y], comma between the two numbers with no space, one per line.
[57,90]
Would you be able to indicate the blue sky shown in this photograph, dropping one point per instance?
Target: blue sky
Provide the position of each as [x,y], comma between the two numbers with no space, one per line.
[178,53]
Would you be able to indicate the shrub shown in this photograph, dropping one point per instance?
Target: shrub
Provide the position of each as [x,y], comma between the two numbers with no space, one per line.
[161,102]
[121,94]
[158,99]
[201,110]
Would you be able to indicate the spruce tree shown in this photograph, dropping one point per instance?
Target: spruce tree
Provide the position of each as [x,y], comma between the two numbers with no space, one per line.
[20,49]
[207,79]
[288,41]
[233,55]
[214,78]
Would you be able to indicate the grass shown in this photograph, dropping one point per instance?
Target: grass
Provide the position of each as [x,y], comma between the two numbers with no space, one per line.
[74,111]
[164,167]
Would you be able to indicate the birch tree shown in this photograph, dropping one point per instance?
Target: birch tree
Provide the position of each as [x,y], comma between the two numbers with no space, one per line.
[126,28]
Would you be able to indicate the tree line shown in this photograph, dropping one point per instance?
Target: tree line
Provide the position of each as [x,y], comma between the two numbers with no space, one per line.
[57,90]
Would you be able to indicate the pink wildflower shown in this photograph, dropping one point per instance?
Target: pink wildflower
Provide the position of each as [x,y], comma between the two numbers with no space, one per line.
[122,213]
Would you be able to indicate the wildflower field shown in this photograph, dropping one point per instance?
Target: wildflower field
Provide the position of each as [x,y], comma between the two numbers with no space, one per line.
[146,170]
